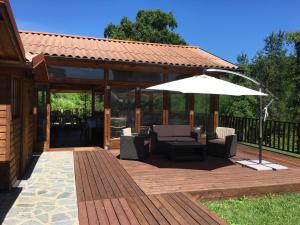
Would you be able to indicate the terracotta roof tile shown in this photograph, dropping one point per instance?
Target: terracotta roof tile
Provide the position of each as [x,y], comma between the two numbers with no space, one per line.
[82,47]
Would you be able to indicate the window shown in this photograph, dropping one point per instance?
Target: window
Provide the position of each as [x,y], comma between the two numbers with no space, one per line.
[179,113]
[75,72]
[201,109]
[15,98]
[129,76]
[151,109]
[174,76]
[122,110]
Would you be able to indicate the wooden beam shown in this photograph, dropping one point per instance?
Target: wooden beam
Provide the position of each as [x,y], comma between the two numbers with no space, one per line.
[107,111]
[166,103]
[191,104]
[214,112]
[48,111]
[126,66]
[137,110]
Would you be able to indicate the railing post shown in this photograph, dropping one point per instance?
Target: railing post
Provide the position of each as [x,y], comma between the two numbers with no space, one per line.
[260,126]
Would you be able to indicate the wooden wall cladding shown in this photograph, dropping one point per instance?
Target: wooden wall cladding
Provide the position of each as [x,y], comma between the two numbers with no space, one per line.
[16,134]
[15,149]
[4,83]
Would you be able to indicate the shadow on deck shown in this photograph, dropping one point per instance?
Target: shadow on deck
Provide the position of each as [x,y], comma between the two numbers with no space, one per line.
[214,177]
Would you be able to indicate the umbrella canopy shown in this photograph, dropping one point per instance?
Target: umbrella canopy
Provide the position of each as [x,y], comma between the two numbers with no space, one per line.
[203,84]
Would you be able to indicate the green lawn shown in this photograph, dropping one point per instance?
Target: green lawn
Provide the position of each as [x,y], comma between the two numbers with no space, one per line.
[267,210]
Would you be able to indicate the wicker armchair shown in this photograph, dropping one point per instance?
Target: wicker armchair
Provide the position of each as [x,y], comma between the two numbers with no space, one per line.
[222,143]
[133,147]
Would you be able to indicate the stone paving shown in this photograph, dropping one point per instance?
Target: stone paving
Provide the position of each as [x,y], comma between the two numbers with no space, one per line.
[48,196]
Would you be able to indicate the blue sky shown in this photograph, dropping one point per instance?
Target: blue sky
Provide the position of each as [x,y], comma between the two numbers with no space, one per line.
[225,28]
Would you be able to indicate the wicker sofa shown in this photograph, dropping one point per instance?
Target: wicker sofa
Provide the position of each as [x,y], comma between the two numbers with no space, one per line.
[160,134]
[222,143]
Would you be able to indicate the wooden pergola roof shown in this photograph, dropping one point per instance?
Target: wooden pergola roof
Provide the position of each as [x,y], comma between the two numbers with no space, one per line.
[110,50]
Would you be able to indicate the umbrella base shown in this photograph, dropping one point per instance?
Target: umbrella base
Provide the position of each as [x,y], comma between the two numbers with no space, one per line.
[264,165]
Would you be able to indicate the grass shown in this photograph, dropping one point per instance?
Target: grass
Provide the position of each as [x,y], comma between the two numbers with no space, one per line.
[273,150]
[272,209]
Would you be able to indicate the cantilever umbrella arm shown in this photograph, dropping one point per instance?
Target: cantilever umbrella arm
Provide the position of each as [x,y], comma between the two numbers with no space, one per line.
[265,109]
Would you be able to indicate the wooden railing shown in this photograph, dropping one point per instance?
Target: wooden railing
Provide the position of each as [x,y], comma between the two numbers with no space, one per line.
[280,135]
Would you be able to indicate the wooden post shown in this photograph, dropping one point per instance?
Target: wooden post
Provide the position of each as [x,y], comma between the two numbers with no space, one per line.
[166,102]
[48,111]
[214,112]
[191,104]
[107,112]
[137,110]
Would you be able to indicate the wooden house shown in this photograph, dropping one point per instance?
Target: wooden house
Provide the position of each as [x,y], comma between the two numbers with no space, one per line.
[34,64]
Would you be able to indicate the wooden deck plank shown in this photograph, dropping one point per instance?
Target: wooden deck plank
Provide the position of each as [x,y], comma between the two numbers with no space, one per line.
[123,201]
[133,220]
[214,177]
[112,217]
[85,182]
[171,210]
[109,191]
[91,212]
[127,181]
[103,219]
[155,212]
[82,213]
[210,217]
[90,175]
[97,177]
[189,210]
[113,171]
[120,212]
[163,210]
[188,218]
[110,178]
[137,191]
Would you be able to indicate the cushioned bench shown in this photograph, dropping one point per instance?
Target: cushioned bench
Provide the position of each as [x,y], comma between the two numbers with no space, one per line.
[160,134]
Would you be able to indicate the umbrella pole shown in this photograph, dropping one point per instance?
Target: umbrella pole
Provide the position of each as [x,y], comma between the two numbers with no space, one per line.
[260,127]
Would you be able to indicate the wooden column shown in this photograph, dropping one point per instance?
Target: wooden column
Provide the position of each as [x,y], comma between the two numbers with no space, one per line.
[166,102]
[48,112]
[191,103]
[137,110]
[107,111]
[214,112]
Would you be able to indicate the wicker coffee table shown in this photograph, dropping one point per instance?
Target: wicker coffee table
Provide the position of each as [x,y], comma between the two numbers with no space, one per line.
[177,150]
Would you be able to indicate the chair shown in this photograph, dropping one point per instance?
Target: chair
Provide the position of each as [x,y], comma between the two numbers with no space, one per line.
[222,143]
[133,147]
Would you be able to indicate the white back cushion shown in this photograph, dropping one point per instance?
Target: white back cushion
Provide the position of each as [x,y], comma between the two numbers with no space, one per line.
[222,132]
[163,130]
[181,130]
[126,132]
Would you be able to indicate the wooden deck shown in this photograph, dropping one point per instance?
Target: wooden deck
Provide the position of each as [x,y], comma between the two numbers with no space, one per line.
[107,194]
[214,177]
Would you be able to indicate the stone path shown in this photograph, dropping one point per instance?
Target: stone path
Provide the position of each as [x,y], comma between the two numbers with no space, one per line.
[48,196]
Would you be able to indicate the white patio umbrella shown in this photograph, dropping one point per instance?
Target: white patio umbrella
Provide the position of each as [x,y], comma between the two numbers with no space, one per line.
[203,84]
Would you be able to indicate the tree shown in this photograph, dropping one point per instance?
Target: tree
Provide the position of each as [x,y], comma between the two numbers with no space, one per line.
[276,67]
[294,37]
[150,26]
